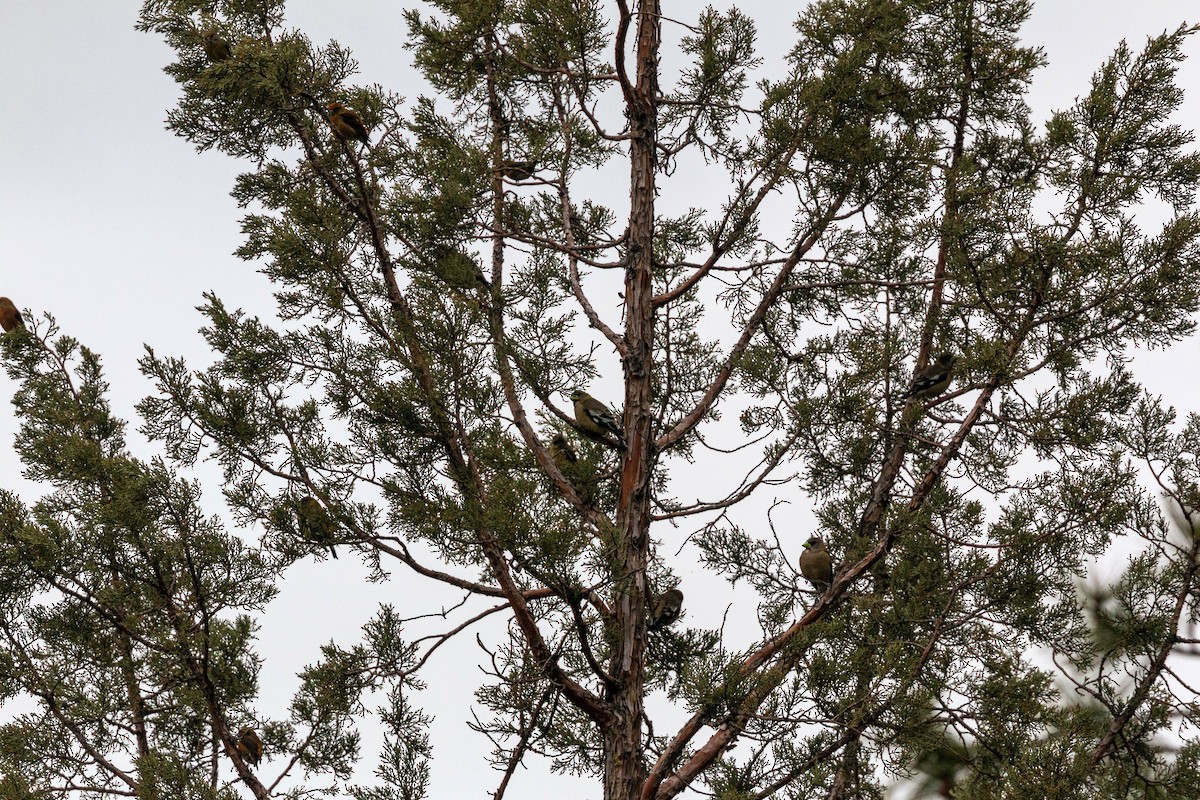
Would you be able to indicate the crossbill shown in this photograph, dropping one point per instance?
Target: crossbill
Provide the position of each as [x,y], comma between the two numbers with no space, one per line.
[10,315]
[249,746]
[315,523]
[215,46]
[346,123]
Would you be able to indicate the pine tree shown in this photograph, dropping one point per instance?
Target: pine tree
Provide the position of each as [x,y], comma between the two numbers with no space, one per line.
[443,286]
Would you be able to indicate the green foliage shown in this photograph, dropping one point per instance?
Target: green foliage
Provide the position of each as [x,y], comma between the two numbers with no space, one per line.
[124,606]
[883,197]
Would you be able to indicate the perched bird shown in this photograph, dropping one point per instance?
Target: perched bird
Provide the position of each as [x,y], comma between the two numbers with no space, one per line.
[594,417]
[249,746]
[315,523]
[10,316]
[457,269]
[580,476]
[346,123]
[518,170]
[933,379]
[216,46]
[815,564]
[665,609]
[561,453]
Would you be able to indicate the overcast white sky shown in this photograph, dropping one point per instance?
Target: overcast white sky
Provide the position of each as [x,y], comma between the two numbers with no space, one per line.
[116,227]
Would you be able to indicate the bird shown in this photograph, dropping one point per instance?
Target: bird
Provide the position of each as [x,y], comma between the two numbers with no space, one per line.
[815,564]
[10,316]
[315,523]
[249,746]
[346,123]
[580,476]
[457,269]
[561,453]
[215,46]
[594,417]
[665,609]
[933,379]
[518,170]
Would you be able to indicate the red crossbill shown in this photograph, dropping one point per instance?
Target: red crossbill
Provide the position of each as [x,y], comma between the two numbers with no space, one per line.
[346,123]
[10,315]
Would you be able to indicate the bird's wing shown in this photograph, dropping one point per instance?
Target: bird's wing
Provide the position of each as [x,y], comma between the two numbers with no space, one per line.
[354,123]
[600,413]
[930,376]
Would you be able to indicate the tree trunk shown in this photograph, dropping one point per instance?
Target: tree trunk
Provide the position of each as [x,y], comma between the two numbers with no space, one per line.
[625,766]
